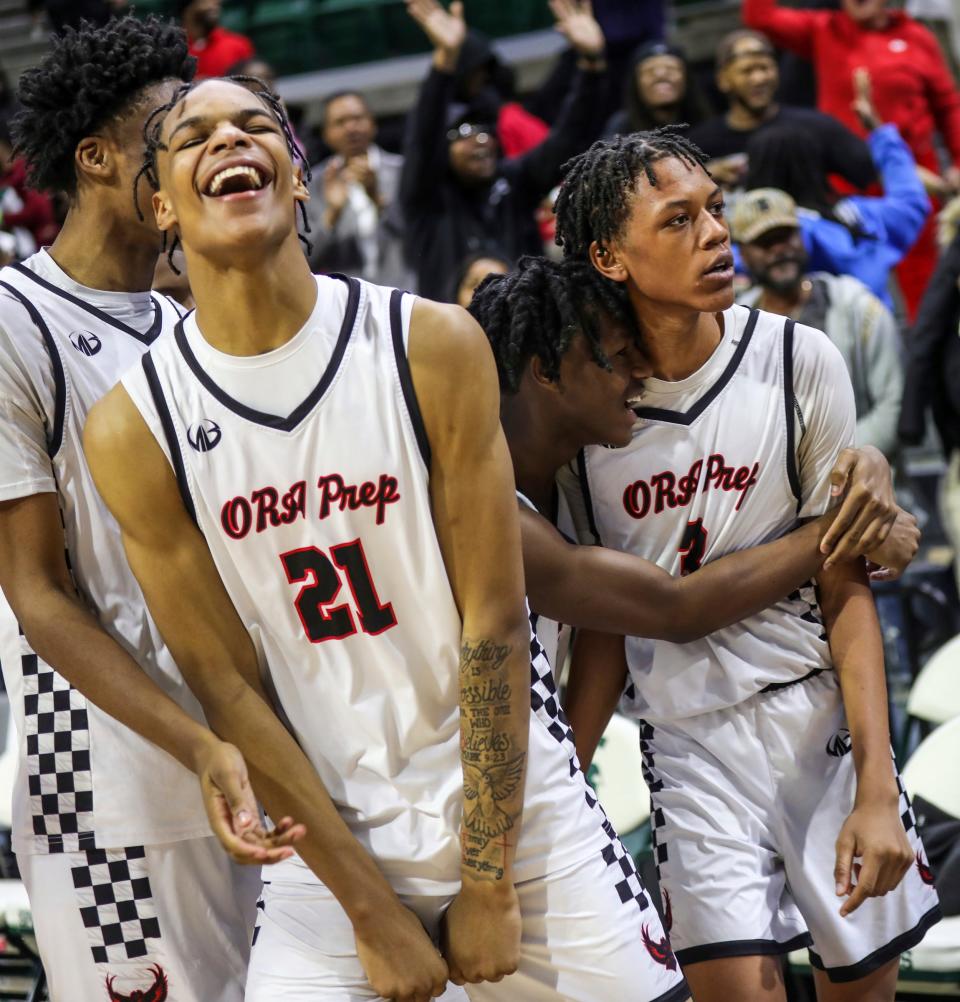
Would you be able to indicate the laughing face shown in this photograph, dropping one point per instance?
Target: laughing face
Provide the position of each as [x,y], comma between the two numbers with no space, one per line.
[227,182]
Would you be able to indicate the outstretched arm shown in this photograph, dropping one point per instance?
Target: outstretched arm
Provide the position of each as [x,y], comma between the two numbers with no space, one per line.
[475,514]
[787,27]
[186,596]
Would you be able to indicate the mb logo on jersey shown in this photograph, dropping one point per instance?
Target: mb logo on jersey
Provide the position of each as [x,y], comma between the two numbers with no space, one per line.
[85,342]
[204,435]
[839,744]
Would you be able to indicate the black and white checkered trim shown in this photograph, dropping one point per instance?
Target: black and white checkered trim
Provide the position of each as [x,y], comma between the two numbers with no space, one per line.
[116,903]
[806,606]
[654,785]
[546,704]
[907,816]
[59,778]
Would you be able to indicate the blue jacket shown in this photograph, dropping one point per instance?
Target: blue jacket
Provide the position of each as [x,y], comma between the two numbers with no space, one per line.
[892,221]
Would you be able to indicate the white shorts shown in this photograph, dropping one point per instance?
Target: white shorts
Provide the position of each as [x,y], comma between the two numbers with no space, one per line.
[747,806]
[590,934]
[112,922]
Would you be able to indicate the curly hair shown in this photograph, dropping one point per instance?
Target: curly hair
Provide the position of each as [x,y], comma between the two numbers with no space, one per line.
[594,199]
[90,77]
[153,144]
[539,308]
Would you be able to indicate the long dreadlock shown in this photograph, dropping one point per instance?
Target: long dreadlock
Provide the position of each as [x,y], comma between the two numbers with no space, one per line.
[539,308]
[153,129]
[594,199]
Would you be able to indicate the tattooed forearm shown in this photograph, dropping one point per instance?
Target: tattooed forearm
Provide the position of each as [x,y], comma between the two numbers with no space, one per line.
[493,728]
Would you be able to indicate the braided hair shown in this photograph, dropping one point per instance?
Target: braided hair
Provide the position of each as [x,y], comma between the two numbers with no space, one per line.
[539,308]
[153,144]
[90,77]
[594,199]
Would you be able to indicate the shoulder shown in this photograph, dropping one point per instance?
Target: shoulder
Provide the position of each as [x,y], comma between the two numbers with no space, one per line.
[442,334]
[390,161]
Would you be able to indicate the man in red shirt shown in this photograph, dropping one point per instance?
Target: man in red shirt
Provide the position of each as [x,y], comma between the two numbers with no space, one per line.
[215,48]
[912,88]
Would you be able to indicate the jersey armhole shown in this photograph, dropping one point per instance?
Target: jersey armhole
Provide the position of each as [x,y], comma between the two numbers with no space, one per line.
[790,410]
[170,434]
[403,370]
[55,439]
[587,500]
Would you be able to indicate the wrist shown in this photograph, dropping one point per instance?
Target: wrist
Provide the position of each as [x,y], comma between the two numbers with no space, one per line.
[201,743]
[877,787]
[592,62]
[492,894]
[445,60]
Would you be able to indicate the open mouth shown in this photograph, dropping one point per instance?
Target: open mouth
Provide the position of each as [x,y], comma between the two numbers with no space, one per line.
[721,267]
[234,180]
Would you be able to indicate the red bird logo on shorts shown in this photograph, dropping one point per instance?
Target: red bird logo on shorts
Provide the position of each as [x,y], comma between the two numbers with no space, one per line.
[926,874]
[667,911]
[157,992]
[659,949]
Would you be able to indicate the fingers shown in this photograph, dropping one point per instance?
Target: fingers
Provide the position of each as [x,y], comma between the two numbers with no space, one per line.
[841,471]
[856,518]
[865,888]
[843,867]
[456,10]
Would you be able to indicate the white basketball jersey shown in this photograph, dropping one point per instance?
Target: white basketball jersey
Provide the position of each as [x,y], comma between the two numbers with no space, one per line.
[320,525]
[85,781]
[726,459]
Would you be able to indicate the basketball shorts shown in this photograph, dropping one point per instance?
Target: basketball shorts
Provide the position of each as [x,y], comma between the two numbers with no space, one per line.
[590,934]
[747,804]
[169,921]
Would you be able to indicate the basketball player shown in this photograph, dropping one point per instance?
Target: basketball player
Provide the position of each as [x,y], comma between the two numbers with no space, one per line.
[564,341]
[127,887]
[323,515]
[766,743]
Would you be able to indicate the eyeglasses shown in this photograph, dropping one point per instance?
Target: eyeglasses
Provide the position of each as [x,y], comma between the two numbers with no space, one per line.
[467,131]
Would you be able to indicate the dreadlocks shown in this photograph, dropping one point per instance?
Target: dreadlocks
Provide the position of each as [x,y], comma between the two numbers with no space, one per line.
[539,308]
[594,198]
[90,77]
[153,129]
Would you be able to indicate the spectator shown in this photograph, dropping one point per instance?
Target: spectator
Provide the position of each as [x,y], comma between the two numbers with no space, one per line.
[933,371]
[215,48]
[22,208]
[913,88]
[659,90]
[457,194]
[765,225]
[747,75]
[472,271]
[353,209]
[863,236]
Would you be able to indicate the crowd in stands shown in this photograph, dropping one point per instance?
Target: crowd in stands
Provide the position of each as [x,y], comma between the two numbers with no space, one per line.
[833,208]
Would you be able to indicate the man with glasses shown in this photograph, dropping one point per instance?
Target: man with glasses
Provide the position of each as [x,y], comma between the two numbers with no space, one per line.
[458,195]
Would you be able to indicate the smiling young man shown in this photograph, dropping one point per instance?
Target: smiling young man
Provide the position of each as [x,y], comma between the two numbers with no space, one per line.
[766,744]
[127,887]
[570,371]
[325,513]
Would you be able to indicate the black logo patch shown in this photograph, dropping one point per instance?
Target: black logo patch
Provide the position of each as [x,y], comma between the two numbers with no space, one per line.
[85,342]
[204,435]
[839,744]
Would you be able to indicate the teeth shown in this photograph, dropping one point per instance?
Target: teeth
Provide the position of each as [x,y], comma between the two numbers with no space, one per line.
[218,179]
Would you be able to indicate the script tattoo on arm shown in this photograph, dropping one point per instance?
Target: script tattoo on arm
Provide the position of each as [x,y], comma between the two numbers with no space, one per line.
[493,769]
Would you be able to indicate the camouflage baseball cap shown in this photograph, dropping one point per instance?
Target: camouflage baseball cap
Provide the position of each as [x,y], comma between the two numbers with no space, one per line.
[761,210]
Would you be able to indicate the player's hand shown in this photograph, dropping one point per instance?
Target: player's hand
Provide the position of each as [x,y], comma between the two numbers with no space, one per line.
[481,932]
[575,21]
[869,507]
[874,835]
[891,558]
[447,30]
[233,814]
[400,961]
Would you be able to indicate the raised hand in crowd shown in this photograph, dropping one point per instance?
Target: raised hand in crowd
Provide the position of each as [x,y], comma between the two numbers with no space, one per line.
[575,21]
[337,177]
[862,102]
[445,29]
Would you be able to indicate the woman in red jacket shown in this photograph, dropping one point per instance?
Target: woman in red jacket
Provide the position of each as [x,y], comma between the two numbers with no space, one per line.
[912,87]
